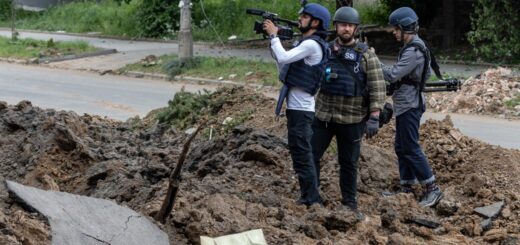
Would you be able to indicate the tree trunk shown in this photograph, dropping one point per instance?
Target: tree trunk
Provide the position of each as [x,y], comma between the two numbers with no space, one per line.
[344,3]
[185,36]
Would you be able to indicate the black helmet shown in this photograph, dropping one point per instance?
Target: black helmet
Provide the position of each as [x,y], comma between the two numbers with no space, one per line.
[405,18]
[347,15]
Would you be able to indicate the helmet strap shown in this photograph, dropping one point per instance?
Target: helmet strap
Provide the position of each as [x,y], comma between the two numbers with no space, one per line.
[305,29]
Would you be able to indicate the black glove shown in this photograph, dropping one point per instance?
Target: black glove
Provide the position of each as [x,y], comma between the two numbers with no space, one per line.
[372,126]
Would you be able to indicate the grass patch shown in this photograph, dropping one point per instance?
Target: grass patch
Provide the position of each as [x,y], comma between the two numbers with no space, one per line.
[249,71]
[30,48]
[513,102]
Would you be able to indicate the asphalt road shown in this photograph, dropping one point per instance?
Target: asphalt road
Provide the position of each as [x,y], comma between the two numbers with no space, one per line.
[133,51]
[117,97]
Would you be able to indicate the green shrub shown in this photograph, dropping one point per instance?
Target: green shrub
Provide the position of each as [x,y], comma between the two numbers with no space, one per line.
[230,18]
[158,18]
[108,17]
[184,109]
[5,10]
[495,34]
[374,14]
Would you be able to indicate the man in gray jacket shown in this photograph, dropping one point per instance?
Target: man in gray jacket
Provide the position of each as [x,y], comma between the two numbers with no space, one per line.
[407,78]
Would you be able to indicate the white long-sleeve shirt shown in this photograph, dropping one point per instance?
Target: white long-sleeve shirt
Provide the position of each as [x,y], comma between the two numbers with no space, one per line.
[311,53]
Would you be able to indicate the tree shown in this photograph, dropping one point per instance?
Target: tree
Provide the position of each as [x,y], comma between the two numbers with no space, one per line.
[495,34]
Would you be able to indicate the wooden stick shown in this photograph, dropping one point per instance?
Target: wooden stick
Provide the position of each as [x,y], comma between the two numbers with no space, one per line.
[175,180]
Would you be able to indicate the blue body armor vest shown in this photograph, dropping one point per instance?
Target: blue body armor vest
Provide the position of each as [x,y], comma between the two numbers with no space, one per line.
[299,74]
[344,74]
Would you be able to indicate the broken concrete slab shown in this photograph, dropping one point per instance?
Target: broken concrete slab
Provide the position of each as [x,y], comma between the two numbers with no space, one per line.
[486,224]
[425,222]
[490,211]
[78,219]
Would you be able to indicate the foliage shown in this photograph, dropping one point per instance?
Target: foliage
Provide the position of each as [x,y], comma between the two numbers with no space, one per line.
[230,18]
[495,34]
[426,10]
[184,109]
[374,14]
[175,66]
[158,18]
[513,102]
[108,17]
[5,9]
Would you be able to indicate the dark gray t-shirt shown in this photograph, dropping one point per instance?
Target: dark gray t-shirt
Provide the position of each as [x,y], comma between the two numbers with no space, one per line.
[411,63]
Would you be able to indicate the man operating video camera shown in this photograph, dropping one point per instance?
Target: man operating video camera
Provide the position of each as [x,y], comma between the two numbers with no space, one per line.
[301,70]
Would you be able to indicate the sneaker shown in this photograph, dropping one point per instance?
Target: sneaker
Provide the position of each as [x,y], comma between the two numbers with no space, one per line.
[301,202]
[359,215]
[431,198]
[401,190]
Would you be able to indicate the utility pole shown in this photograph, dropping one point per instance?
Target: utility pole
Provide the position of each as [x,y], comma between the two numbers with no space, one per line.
[185,36]
[14,34]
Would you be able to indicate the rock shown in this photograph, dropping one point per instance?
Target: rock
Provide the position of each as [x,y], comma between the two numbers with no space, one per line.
[249,73]
[232,76]
[341,221]
[473,183]
[65,138]
[84,220]
[227,120]
[517,107]
[490,211]
[510,241]
[260,154]
[220,78]
[24,104]
[506,213]
[315,231]
[3,105]
[484,193]
[486,224]
[447,207]
[190,131]
[425,222]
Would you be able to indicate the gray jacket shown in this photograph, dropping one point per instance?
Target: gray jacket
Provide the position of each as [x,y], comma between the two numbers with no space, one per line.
[411,63]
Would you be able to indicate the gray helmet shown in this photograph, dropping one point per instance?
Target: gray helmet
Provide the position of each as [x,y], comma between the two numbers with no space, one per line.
[404,18]
[347,15]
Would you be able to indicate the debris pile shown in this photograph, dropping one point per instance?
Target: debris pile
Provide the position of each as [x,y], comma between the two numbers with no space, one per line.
[491,92]
[242,179]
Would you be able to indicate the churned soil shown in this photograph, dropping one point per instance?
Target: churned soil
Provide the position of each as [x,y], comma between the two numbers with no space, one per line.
[242,178]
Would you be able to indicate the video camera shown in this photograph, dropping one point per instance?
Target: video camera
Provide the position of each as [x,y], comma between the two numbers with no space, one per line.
[284,32]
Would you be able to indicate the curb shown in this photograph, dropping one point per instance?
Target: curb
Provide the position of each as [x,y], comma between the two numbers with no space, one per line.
[123,38]
[195,80]
[75,56]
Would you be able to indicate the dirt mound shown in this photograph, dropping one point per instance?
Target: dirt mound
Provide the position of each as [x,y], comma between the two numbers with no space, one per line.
[487,93]
[243,179]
